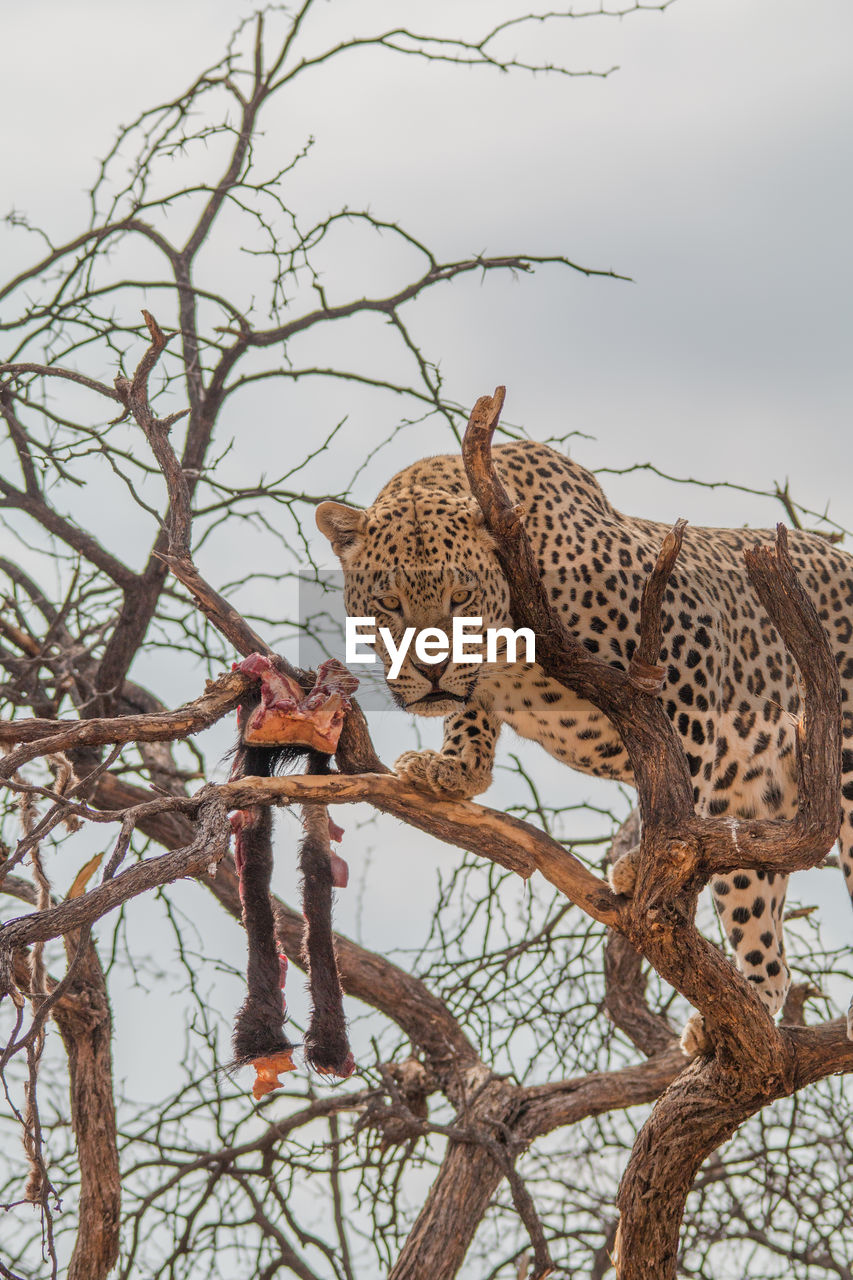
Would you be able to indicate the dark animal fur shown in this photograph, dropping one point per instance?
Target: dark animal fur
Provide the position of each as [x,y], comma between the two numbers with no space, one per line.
[257,1028]
[258,1025]
[326,1044]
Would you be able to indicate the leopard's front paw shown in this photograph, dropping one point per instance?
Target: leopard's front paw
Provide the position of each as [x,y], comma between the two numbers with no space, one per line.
[622,876]
[695,1038]
[439,774]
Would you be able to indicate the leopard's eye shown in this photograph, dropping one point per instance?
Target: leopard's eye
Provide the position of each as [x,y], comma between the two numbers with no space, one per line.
[461,596]
[390,603]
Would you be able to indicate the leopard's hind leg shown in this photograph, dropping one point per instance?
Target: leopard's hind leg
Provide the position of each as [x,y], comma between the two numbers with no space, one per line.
[750,905]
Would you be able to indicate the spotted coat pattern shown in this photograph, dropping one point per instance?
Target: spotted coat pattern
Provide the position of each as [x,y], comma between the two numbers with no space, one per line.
[420,554]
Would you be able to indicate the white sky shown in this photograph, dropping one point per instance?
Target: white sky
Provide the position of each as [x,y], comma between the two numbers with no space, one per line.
[714,169]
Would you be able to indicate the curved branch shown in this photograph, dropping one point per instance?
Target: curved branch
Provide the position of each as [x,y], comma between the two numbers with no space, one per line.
[388,305]
[93,236]
[43,737]
[208,846]
[487,832]
[68,532]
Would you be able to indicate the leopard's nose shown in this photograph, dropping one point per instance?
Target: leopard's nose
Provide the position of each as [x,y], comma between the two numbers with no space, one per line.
[432,671]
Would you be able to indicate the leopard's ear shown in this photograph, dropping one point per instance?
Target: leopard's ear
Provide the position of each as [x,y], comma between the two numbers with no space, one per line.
[341,524]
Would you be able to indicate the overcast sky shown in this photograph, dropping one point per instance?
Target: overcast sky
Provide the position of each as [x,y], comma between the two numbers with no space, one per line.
[713,168]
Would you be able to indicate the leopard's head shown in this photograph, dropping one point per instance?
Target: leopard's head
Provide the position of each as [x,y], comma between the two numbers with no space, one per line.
[416,559]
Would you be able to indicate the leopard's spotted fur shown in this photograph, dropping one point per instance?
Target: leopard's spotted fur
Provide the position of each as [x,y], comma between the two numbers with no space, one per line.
[731,688]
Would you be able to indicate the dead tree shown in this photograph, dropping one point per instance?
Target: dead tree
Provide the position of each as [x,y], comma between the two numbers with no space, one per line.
[86,744]
[700,1104]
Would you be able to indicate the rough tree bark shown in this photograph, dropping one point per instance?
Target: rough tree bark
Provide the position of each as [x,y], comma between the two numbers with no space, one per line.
[82,1015]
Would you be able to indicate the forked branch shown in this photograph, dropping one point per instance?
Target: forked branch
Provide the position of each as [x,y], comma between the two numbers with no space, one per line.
[754,1062]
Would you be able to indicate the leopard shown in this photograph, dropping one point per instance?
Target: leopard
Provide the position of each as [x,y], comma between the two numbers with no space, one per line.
[421,555]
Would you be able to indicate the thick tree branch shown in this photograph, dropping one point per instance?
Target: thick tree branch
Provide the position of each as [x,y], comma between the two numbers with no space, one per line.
[700,1111]
[791,846]
[754,1062]
[675,859]
[45,737]
[657,759]
[82,1014]
[624,979]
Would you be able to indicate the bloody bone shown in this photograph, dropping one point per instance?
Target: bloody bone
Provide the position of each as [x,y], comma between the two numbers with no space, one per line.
[286,714]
